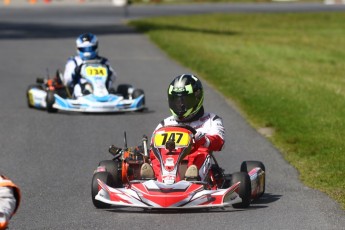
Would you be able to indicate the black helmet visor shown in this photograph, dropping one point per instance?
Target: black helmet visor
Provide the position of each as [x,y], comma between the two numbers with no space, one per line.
[87,49]
[181,103]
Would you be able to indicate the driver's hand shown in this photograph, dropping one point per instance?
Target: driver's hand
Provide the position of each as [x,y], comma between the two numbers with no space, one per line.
[200,139]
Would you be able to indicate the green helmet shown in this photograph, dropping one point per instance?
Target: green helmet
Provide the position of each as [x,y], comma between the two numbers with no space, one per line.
[186,96]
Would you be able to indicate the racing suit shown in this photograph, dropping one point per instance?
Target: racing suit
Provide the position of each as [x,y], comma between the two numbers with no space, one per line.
[72,77]
[9,200]
[209,137]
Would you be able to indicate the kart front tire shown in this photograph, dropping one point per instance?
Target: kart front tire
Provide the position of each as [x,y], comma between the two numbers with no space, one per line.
[122,89]
[113,167]
[50,100]
[247,166]
[244,190]
[107,179]
[137,93]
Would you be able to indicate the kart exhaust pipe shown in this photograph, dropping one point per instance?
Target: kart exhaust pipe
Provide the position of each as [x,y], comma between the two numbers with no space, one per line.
[146,152]
[125,139]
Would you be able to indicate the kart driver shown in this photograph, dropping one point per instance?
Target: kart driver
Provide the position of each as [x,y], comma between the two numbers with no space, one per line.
[185,96]
[87,50]
[9,200]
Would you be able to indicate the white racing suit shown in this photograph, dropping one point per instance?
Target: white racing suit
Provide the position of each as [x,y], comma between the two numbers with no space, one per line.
[209,124]
[9,201]
[73,80]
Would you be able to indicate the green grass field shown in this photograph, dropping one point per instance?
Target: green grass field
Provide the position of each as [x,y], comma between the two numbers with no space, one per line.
[284,71]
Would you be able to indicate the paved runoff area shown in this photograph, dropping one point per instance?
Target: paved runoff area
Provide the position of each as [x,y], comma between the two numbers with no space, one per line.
[30,3]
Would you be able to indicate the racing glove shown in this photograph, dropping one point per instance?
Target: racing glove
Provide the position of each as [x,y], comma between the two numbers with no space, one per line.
[201,140]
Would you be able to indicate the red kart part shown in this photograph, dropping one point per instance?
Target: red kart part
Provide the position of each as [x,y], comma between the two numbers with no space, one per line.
[117,182]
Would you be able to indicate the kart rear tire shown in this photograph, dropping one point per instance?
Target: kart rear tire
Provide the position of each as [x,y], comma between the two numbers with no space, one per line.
[107,179]
[50,100]
[122,89]
[113,167]
[244,190]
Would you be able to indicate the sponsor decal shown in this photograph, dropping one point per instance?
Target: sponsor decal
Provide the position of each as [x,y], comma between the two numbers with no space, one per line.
[169,162]
[169,179]
[179,89]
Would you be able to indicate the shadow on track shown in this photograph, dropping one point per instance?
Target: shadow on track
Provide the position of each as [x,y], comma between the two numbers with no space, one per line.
[70,113]
[152,26]
[267,198]
[13,30]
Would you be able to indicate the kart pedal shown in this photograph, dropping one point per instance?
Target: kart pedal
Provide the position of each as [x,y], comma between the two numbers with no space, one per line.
[192,173]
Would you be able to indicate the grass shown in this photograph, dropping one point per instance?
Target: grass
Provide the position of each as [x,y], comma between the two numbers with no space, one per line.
[285,71]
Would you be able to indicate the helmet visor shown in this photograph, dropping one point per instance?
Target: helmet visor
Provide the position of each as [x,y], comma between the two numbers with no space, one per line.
[87,49]
[181,103]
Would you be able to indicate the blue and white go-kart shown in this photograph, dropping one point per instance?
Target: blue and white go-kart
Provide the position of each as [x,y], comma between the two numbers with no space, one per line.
[50,94]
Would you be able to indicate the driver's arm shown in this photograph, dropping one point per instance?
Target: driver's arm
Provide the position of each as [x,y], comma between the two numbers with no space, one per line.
[9,200]
[111,78]
[215,136]
[7,205]
[69,72]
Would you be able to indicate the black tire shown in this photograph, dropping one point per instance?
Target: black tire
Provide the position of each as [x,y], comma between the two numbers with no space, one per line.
[114,169]
[122,89]
[244,190]
[50,100]
[137,93]
[107,179]
[247,166]
[62,92]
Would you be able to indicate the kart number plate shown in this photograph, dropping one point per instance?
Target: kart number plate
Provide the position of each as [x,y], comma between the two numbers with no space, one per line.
[98,71]
[181,139]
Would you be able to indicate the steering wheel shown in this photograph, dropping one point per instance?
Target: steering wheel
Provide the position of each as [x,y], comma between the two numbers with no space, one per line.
[188,127]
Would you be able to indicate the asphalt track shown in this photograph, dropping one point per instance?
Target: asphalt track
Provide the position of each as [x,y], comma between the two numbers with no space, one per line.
[52,156]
